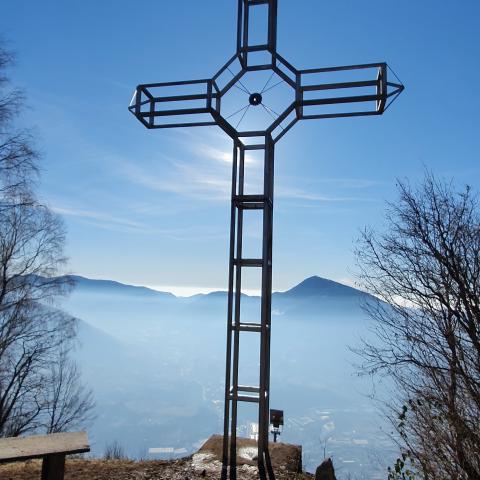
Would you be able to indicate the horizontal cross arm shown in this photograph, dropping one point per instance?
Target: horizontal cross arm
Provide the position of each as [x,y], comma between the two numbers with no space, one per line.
[339,68]
[188,103]
[345,91]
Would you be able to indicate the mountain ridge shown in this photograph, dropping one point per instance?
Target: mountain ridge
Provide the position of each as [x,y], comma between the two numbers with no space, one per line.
[79,280]
[316,285]
[311,286]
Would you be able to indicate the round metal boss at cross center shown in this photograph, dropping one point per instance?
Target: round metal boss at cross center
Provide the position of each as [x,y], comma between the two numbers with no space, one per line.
[319,93]
[255,99]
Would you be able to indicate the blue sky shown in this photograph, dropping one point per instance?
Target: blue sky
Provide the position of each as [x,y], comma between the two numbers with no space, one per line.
[152,207]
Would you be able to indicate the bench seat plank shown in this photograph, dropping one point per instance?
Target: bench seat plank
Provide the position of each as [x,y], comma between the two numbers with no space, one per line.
[36,446]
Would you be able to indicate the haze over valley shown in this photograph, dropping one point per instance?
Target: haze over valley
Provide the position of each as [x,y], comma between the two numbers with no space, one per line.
[156,365]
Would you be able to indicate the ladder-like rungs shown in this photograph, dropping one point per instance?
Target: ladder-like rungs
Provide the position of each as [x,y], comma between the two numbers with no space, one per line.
[246,388]
[248,398]
[250,202]
[248,262]
[245,398]
[260,205]
[249,327]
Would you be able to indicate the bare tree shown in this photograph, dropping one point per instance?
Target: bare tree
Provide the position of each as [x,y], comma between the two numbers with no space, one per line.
[424,272]
[69,404]
[32,331]
[18,156]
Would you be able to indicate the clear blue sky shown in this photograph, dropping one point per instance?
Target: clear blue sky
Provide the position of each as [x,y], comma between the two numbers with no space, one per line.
[152,207]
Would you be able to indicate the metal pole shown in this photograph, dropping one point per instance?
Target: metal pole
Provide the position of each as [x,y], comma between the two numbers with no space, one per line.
[236,334]
[228,362]
[264,463]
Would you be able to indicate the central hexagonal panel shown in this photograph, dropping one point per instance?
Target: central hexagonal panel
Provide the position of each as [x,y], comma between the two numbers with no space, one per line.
[256,100]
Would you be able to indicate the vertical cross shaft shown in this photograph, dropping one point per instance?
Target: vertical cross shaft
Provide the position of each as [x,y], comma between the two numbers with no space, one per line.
[234,392]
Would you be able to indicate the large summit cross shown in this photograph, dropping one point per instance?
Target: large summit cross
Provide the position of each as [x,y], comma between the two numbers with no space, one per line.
[239,100]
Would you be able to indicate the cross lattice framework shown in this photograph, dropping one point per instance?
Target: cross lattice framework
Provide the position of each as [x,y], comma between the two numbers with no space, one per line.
[347,91]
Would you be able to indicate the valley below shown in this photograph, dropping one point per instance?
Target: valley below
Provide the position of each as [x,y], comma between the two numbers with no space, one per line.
[155,363]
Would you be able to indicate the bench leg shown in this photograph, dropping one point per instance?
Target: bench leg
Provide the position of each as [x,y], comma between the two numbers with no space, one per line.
[53,467]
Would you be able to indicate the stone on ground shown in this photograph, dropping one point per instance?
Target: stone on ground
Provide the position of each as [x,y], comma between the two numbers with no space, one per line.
[325,471]
[285,457]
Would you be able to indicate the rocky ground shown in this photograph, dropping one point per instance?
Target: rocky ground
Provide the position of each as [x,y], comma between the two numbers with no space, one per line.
[184,469]
[205,464]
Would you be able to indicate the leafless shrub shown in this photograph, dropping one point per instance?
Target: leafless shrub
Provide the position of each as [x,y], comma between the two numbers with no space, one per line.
[114,451]
[425,272]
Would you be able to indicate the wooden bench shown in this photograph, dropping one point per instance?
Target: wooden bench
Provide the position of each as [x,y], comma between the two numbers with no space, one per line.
[52,448]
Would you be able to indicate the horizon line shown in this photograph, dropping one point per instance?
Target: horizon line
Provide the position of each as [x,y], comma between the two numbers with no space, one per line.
[186,291]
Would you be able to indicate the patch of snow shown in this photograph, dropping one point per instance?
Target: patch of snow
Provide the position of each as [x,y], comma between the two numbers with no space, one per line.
[205,461]
[249,469]
[248,453]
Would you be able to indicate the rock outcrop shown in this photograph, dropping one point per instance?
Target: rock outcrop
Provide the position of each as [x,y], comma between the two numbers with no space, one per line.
[285,457]
[325,471]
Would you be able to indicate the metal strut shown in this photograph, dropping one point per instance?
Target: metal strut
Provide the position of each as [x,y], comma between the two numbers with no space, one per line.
[262,202]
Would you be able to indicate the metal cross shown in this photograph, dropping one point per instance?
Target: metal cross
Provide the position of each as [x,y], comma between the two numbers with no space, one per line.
[347,91]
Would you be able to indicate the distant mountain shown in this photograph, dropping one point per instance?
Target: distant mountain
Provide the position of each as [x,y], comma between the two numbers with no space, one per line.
[110,286]
[318,286]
